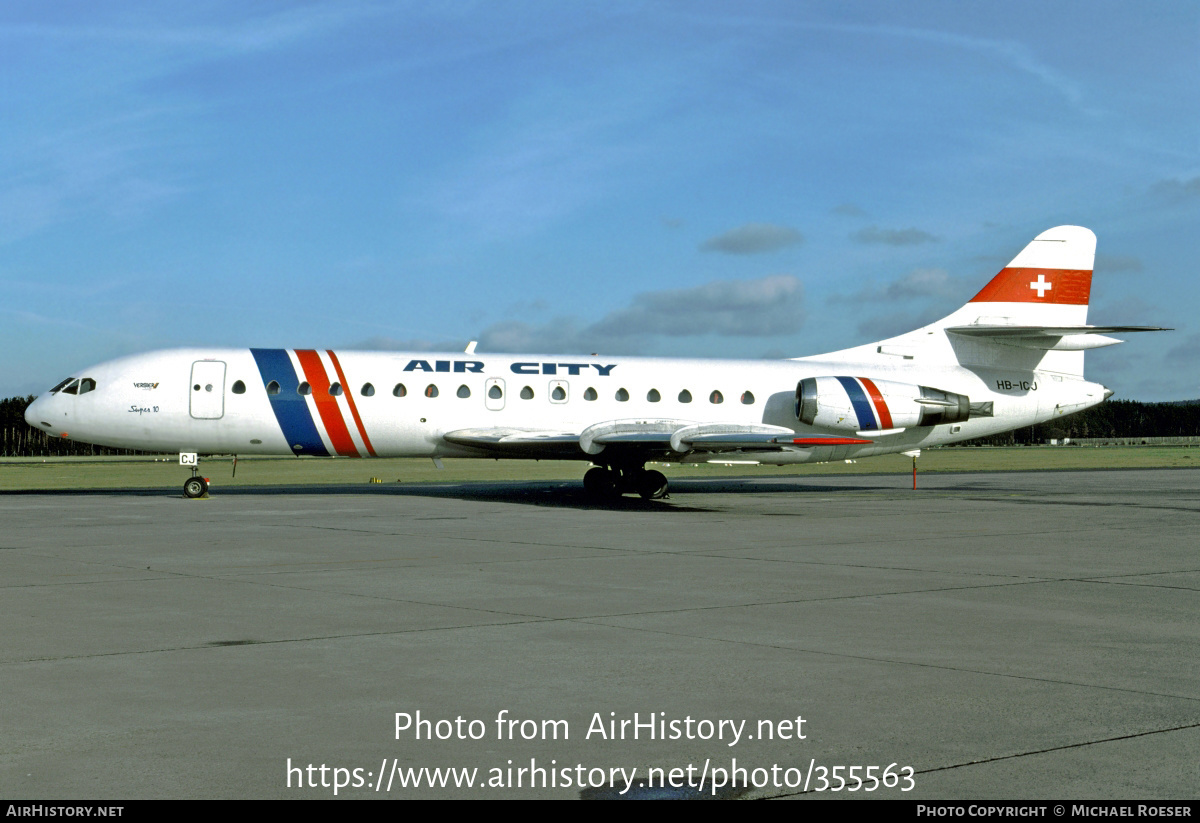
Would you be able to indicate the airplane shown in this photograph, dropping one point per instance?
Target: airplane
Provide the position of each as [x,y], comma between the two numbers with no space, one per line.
[1012,356]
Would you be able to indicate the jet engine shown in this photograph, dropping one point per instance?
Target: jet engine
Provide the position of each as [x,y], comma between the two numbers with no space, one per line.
[860,404]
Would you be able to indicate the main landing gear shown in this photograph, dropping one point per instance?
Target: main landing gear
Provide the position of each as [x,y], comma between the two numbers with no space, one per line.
[614,481]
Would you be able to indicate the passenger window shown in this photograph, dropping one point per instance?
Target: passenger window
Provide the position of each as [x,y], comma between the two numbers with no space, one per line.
[86,385]
[273,387]
[368,390]
[495,393]
[304,389]
[239,387]
[653,396]
[716,397]
[399,391]
[431,390]
[685,396]
[526,393]
[335,389]
[463,391]
[622,395]
[558,394]
[590,394]
[748,398]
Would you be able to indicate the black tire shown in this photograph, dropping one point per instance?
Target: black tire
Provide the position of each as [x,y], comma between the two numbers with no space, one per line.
[600,482]
[652,485]
[195,487]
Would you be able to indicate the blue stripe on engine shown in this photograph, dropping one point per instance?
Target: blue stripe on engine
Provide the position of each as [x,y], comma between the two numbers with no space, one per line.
[291,409]
[862,406]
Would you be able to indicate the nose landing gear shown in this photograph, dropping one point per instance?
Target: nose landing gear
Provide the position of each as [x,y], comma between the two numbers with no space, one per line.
[195,486]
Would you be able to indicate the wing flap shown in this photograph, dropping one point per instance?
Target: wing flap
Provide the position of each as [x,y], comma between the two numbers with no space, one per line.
[768,442]
[517,442]
[654,438]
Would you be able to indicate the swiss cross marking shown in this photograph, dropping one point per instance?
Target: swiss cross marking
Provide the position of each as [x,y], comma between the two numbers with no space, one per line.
[1042,285]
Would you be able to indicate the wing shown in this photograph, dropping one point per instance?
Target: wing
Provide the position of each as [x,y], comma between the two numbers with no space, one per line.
[641,439]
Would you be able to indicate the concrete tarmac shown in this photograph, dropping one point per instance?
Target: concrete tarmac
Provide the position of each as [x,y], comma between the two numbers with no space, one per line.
[1004,635]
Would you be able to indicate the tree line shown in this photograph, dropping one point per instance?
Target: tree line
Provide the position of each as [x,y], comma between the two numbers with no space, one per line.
[1113,418]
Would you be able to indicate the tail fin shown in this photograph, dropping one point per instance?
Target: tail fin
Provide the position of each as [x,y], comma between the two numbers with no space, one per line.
[1047,284]
[1032,315]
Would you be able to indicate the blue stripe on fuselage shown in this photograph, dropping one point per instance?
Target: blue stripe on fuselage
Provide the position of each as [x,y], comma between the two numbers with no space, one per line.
[291,409]
[862,406]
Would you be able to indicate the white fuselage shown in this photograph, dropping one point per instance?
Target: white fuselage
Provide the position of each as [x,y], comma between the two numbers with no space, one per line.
[384,404]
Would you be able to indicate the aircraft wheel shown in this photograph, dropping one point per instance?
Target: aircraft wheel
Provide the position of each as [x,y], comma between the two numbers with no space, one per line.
[652,485]
[600,482]
[195,487]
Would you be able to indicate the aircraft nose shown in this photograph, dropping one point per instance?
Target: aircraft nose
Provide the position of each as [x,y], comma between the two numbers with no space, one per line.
[1108,392]
[35,413]
[31,412]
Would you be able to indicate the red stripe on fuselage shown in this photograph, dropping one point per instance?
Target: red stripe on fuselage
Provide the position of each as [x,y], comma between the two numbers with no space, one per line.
[885,416]
[350,400]
[327,406]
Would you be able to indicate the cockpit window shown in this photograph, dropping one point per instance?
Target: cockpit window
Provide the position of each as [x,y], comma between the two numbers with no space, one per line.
[60,385]
[86,385]
[72,389]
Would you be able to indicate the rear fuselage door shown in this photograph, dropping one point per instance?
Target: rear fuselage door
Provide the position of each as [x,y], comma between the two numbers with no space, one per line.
[208,389]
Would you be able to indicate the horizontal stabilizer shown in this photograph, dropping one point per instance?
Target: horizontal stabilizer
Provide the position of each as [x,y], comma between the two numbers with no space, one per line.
[1046,331]
[1056,338]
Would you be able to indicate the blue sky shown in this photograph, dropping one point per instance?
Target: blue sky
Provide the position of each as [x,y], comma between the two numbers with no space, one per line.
[708,179]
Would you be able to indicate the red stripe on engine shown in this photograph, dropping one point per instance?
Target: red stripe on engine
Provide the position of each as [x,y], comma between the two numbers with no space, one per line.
[327,406]
[350,399]
[885,416]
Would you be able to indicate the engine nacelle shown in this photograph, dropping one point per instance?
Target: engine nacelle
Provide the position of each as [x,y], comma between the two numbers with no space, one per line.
[859,404]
